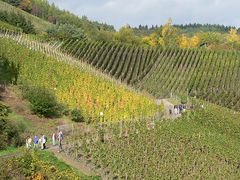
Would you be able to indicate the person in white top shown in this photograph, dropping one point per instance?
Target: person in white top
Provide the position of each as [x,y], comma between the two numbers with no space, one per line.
[43,142]
[60,139]
[54,139]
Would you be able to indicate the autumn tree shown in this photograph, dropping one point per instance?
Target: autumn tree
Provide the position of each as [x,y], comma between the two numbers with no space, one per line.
[233,36]
[163,36]
[168,35]
[183,41]
[151,40]
[25,5]
[194,41]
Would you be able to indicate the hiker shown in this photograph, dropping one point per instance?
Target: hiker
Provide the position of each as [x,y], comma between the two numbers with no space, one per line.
[45,138]
[43,141]
[176,109]
[27,145]
[54,139]
[35,141]
[181,108]
[60,139]
[29,142]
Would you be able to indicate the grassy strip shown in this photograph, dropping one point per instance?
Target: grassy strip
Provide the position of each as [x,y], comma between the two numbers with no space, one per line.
[51,158]
[9,151]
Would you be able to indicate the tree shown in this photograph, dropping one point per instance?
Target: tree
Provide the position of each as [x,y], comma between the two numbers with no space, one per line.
[151,40]
[233,36]
[163,36]
[126,35]
[25,5]
[168,34]
[13,2]
[66,31]
[36,10]
[183,41]
[194,41]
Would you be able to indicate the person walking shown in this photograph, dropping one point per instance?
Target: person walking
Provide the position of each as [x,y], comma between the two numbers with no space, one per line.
[60,139]
[54,139]
[40,142]
[35,141]
[29,142]
[27,146]
[43,142]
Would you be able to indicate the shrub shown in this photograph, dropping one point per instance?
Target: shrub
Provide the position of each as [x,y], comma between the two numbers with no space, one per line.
[184,100]
[9,133]
[43,101]
[66,31]
[9,71]
[76,115]
[17,20]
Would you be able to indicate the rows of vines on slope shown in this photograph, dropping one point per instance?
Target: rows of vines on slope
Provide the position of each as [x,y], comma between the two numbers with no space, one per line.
[201,144]
[209,75]
[120,63]
[77,88]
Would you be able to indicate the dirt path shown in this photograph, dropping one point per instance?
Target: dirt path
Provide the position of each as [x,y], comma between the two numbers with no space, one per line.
[169,106]
[81,166]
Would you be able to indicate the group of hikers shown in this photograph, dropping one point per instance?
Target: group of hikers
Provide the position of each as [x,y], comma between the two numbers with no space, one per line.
[177,109]
[43,140]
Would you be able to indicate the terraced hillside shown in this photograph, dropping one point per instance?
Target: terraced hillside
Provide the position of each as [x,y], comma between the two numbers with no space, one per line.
[205,74]
[210,75]
[75,85]
[124,62]
[199,145]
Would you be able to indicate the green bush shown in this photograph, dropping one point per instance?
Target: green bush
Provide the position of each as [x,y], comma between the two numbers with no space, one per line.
[43,101]
[66,31]
[9,71]
[9,133]
[17,20]
[76,115]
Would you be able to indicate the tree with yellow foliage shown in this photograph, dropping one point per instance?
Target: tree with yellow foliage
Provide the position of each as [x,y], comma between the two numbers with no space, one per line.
[233,36]
[25,5]
[183,41]
[168,34]
[151,40]
[164,36]
[194,41]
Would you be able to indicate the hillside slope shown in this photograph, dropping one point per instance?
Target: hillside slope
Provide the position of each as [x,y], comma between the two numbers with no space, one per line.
[201,144]
[39,24]
[206,74]
[75,85]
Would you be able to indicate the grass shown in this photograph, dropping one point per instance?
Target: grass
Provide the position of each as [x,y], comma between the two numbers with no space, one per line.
[9,150]
[49,157]
[174,101]
[21,120]
[10,27]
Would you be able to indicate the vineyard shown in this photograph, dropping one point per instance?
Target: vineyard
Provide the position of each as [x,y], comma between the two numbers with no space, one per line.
[126,63]
[200,145]
[74,84]
[205,74]
[128,97]
[209,75]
